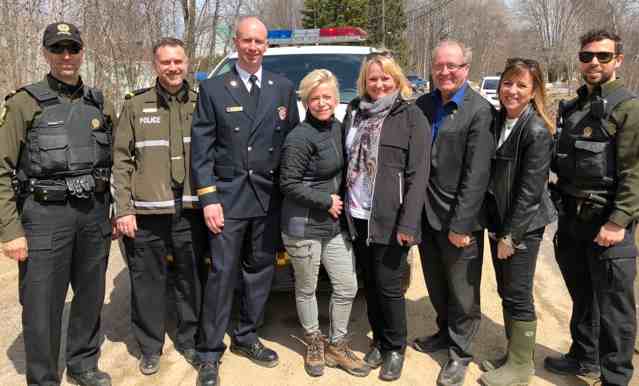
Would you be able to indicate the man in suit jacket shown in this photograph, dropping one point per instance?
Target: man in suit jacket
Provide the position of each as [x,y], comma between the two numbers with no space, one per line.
[239,125]
[452,246]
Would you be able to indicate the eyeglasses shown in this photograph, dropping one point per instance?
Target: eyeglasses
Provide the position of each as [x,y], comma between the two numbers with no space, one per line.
[527,62]
[603,57]
[58,49]
[452,67]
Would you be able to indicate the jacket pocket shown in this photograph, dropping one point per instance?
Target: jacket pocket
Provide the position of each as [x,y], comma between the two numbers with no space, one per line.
[393,151]
[591,159]
[53,152]
[102,149]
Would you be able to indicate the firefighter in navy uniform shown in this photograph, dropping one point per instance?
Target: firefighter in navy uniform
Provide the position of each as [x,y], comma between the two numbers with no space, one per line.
[239,126]
[55,152]
[155,208]
[597,194]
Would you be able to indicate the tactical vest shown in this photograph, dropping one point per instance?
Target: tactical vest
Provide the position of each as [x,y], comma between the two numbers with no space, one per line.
[585,156]
[68,138]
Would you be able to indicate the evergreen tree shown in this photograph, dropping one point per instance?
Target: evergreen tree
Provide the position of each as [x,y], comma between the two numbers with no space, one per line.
[393,22]
[335,13]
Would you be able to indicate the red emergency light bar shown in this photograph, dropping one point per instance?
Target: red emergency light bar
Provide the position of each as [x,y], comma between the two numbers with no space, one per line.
[342,31]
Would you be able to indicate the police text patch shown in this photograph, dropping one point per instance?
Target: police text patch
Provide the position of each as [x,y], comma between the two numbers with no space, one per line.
[150,120]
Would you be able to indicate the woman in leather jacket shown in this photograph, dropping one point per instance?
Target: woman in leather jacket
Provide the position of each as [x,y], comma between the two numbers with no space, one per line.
[519,207]
[387,143]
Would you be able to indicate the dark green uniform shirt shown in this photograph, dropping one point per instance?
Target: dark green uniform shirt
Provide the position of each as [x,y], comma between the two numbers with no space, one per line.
[151,152]
[16,118]
[623,125]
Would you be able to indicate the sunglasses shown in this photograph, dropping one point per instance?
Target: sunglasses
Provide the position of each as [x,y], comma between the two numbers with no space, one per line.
[72,49]
[527,62]
[602,57]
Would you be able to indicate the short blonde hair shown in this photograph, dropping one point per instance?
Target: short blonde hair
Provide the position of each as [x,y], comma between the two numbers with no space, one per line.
[390,67]
[314,79]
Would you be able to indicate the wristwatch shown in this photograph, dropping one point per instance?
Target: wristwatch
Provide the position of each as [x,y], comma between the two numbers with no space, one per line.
[508,240]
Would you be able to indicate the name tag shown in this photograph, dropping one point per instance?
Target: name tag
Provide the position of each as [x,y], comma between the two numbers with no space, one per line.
[150,110]
[234,109]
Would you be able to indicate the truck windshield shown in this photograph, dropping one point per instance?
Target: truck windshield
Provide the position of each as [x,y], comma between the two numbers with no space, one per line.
[295,67]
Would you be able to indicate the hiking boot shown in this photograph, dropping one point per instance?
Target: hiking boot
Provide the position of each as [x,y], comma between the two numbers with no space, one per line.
[314,358]
[339,354]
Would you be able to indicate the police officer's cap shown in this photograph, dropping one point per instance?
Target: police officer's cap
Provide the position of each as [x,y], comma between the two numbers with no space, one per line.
[60,32]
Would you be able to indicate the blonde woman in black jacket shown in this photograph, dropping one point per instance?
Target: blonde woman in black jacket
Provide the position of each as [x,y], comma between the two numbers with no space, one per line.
[310,178]
[519,207]
[387,142]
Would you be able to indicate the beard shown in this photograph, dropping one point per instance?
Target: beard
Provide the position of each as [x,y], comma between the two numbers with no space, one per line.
[605,77]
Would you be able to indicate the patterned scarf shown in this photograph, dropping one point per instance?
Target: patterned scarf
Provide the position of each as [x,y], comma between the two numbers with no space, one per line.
[363,151]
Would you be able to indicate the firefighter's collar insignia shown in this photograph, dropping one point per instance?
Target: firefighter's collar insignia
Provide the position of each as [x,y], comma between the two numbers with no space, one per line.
[233,83]
[587,132]
[270,82]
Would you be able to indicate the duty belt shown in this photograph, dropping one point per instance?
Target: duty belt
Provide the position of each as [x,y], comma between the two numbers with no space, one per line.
[59,189]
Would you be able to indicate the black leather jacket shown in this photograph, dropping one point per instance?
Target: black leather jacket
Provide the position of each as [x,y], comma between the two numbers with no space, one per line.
[518,200]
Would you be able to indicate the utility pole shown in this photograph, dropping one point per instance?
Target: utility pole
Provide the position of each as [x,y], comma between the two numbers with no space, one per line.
[384,23]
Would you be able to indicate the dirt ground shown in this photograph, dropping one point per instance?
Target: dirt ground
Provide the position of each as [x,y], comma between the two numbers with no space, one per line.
[281,328]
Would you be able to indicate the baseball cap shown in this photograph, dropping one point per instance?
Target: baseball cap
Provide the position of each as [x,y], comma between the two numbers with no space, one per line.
[59,32]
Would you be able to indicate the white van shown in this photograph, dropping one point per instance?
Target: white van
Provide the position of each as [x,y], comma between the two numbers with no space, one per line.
[488,89]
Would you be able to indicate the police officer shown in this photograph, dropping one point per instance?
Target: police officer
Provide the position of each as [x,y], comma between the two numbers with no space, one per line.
[155,208]
[239,126]
[55,149]
[597,163]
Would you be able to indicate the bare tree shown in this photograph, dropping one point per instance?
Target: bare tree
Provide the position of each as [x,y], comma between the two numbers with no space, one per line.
[555,23]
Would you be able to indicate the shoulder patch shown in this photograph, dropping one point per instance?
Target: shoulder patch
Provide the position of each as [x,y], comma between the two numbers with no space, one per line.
[131,94]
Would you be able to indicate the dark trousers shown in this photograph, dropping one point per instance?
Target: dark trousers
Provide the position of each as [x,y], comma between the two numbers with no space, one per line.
[180,237]
[383,267]
[244,250]
[453,279]
[603,320]
[68,244]
[515,277]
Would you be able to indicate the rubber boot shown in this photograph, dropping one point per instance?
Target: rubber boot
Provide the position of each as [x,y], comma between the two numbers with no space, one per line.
[520,365]
[489,365]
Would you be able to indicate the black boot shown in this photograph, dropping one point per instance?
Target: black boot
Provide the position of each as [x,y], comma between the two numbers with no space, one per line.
[93,377]
[392,366]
